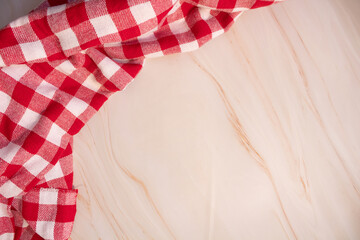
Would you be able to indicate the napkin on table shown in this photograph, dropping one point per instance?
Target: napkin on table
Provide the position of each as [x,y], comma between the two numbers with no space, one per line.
[58,65]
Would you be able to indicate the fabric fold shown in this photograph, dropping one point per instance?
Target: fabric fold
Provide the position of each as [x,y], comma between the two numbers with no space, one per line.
[46,213]
[58,65]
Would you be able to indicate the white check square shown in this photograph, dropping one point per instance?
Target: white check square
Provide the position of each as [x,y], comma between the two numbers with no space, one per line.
[217,33]
[24,224]
[48,196]
[66,67]
[103,25]
[16,71]
[108,67]
[68,39]
[179,26]
[155,54]
[46,89]
[143,12]
[46,229]
[36,164]
[8,153]
[54,173]
[190,46]
[76,106]
[5,101]
[9,189]
[33,50]
[55,134]
[29,119]
[91,83]
[8,236]
[56,9]
[4,211]
[2,64]
[205,13]
[20,22]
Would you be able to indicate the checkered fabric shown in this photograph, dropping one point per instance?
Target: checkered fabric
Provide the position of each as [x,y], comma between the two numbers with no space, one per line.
[58,65]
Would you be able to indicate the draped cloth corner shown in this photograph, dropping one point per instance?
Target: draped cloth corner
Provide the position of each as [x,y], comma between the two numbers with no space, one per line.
[58,65]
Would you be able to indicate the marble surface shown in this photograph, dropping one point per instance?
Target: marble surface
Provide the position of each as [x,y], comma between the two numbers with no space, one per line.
[254,136]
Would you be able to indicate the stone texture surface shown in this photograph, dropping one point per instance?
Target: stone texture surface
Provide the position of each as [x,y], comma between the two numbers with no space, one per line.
[254,136]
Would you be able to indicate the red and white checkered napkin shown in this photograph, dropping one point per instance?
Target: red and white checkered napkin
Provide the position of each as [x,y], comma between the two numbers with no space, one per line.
[58,65]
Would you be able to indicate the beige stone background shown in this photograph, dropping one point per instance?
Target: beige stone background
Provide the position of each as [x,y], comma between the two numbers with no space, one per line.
[254,136]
